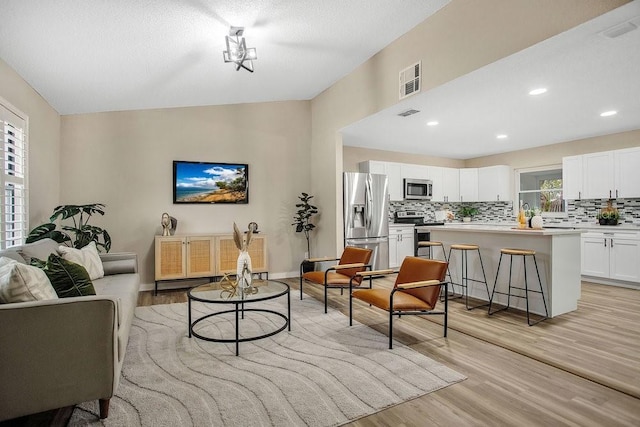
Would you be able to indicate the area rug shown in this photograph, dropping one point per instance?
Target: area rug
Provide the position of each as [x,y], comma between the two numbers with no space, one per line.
[322,373]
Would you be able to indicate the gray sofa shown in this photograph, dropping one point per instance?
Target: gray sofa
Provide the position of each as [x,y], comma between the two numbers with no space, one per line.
[61,352]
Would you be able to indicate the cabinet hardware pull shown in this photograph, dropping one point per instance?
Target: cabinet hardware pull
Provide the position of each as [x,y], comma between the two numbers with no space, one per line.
[605,243]
[616,194]
[609,193]
[611,242]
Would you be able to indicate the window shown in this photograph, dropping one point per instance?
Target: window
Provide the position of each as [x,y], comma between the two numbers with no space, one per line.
[541,188]
[13,176]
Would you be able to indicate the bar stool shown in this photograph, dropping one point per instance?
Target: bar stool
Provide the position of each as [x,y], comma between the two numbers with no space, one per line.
[524,253]
[464,278]
[430,244]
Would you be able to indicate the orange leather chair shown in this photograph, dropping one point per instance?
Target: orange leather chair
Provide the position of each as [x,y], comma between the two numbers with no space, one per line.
[344,275]
[415,291]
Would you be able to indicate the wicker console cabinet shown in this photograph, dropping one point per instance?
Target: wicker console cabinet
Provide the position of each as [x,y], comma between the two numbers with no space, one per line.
[196,256]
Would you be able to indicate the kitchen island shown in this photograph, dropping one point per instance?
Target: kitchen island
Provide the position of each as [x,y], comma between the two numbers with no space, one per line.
[557,254]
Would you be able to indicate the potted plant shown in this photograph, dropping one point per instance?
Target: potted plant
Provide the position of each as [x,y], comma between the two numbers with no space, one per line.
[302,219]
[466,212]
[78,235]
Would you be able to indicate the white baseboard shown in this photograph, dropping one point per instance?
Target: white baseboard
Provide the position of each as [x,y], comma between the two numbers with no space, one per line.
[609,282]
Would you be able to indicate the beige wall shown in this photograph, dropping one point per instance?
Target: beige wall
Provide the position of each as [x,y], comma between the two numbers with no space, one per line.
[44,143]
[553,154]
[351,156]
[463,36]
[124,159]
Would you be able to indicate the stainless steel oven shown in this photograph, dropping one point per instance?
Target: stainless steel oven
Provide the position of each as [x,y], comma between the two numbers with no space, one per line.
[418,189]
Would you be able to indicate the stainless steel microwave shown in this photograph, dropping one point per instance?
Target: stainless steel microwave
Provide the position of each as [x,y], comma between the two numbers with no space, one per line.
[418,189]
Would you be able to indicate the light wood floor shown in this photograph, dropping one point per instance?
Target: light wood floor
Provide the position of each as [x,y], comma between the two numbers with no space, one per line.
[517,375]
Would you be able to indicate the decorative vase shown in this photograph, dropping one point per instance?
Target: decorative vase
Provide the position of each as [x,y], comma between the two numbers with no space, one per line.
[243,270]
[536,222]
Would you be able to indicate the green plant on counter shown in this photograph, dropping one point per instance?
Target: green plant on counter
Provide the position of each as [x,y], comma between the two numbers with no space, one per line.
[467,211]
[81,232]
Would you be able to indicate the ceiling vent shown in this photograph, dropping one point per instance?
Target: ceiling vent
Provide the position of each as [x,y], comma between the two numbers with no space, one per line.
[619,30]
[410,80]
[408,113]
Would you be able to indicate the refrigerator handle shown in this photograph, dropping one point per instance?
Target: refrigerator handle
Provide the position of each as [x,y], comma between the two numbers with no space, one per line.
[368,202]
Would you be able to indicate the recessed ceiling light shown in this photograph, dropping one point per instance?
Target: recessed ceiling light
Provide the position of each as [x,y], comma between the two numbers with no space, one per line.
[502,136]
[538,91]
[608,113]
[432,123]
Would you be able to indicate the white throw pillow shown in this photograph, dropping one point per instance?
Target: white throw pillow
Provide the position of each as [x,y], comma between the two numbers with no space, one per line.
[87,257]
[21,283]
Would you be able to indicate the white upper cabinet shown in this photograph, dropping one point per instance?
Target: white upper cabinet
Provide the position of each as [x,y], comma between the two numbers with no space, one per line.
[372,166]
[450,184]
[469,185]
[627,172]
[415,171]
[597,175]
[603,175]
[572,177]
[393,172]
[494,183]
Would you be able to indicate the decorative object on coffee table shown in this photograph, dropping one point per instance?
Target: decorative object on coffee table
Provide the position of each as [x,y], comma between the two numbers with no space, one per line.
[243,266]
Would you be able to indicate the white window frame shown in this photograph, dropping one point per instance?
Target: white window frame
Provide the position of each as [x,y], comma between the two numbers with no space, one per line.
[538,169]
[14,217]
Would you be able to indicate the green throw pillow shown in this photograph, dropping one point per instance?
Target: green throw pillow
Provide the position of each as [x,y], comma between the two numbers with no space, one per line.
[68,278]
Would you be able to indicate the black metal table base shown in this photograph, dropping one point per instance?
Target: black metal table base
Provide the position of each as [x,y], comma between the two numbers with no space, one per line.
[239,314]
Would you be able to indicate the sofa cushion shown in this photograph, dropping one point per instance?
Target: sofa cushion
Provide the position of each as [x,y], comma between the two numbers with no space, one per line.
[87,257]
[68,278]
[13,254]
[21,283]
[40,249]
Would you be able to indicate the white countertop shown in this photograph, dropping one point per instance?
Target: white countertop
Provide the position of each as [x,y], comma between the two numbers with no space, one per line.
[499,228]
[504,226]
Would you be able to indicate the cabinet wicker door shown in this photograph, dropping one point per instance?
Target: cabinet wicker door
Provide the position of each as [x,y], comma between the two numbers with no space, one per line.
[200,256]
[227,254]
[170,258]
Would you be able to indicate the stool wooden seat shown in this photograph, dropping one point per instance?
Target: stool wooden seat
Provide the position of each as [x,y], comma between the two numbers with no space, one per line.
[524,253]
[508,251]
[428,243]
[465,247]
[464,277]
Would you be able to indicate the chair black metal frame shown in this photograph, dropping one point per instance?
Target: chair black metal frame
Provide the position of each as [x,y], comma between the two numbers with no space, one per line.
[464,278]
[335,268]
[399,288]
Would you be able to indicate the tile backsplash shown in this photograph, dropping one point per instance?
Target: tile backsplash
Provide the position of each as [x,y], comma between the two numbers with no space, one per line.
[577,210]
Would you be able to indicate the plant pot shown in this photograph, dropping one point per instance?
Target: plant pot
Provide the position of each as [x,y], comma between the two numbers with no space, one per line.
[612,221]
[602,221]
[308,266]
[466,219]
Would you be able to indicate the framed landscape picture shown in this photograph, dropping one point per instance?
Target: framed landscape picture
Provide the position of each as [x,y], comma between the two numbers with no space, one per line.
[205,182]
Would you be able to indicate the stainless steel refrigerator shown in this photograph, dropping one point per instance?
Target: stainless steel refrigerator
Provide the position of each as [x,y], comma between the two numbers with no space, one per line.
[366,215]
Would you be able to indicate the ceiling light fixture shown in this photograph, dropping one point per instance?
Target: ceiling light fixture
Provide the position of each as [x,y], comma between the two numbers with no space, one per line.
[538,91]
[502,136]
[432,123]
[608,113]
[237,51]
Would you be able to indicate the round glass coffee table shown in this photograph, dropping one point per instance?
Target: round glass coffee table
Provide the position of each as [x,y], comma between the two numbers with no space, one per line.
[224,294]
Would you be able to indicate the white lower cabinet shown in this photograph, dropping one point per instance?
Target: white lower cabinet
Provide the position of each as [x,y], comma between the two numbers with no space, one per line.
[613,255]
[400,245]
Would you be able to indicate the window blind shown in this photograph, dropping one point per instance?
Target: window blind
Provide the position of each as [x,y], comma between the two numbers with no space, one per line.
[13,179]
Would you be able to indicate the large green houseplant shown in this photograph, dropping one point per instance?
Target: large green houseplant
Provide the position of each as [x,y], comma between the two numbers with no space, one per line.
[302,218]
[78,234]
